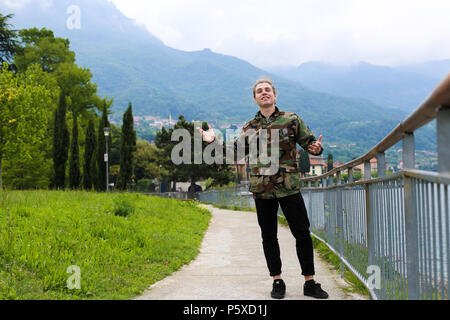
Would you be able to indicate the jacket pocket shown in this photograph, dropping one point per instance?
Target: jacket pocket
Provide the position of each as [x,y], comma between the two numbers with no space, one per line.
[292,180]
[256,183]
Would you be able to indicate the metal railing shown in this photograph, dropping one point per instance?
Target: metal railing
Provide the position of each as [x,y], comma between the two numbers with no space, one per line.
[393,231]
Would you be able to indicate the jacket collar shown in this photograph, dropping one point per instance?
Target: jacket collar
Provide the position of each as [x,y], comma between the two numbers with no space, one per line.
[275,114]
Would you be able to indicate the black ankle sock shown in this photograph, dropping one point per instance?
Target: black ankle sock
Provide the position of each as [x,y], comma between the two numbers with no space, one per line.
[309,282]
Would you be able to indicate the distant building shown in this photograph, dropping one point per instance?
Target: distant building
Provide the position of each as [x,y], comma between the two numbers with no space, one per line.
[318,165]
[239,170]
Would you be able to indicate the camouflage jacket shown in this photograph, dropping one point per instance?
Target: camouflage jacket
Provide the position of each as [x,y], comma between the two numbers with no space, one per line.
[285,180]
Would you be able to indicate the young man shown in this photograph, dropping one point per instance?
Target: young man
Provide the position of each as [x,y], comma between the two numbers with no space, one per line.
[281,188]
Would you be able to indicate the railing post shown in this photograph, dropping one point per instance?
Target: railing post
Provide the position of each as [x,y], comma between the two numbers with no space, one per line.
[367,171]
[443,135]
[408,156]
[381,164]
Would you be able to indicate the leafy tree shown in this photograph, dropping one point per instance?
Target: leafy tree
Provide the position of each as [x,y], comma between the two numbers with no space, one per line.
[76,83]
[60,144]
[54,56]
[8,42]
[41,47]
[89,151]
[304,162]
[26,104]
[74,164]
[146,157]
[127,149]
[188,172]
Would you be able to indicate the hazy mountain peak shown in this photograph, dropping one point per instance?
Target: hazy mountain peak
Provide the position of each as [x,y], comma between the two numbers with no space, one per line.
[98,19]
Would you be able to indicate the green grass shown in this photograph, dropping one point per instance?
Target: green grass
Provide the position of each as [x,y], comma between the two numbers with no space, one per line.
[122,243]
[233,208]
[325,253]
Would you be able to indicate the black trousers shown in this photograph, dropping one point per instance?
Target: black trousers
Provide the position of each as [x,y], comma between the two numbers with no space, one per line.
[296,215]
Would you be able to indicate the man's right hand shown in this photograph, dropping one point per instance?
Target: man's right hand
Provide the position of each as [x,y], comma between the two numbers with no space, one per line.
[208,136]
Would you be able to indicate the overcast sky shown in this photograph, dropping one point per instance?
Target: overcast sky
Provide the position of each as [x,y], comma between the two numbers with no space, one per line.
[290,32]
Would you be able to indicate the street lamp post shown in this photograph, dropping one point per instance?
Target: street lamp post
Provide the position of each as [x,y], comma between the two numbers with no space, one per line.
[107,132]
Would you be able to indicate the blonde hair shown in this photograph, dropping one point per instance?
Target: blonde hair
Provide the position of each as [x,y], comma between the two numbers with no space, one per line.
[264,80]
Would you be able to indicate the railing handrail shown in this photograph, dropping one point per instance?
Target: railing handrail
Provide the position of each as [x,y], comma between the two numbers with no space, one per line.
[425,113]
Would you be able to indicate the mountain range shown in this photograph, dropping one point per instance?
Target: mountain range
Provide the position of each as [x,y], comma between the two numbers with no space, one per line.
[404,87]
[130,64]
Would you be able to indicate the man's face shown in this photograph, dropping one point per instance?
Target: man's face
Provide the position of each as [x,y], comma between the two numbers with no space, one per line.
[264,95]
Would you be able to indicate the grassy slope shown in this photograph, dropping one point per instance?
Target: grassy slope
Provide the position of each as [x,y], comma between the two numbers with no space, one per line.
[43,233]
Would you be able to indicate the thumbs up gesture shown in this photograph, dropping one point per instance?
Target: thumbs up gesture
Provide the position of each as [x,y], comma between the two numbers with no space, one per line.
[316,147]
[208,136]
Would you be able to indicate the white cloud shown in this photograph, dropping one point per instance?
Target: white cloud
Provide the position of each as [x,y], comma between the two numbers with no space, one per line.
[268,32]
[18,4]
[14,4]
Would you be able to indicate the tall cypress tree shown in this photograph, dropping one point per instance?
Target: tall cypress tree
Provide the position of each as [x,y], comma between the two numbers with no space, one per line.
[127,149]
[74,164]
[89,150]
[60,144]
[100,177]
[330,162]
[304,162]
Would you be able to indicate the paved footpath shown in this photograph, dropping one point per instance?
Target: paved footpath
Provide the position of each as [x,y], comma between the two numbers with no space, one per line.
[231,266]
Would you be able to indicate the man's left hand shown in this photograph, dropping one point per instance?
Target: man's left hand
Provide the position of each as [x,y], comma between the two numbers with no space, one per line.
[316,147]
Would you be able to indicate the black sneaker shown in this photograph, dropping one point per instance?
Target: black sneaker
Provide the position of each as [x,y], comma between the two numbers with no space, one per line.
[278,289]
[313,289]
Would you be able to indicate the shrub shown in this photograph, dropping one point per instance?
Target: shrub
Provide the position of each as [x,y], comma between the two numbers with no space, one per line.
[123,208]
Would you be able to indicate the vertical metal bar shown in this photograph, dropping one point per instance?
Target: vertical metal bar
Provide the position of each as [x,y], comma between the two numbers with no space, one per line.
[443,134]
[383,242]
[382,236]
[381,164]
[310,202]
[427,244]
[361,237]
[403,247]
[421,238]
[411,239]
[340,225]
[354,228]
[441,240]
[369,226]
[408,154]
[391,242]
[447,232]
[386,239]
[398,231]
[433,252]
